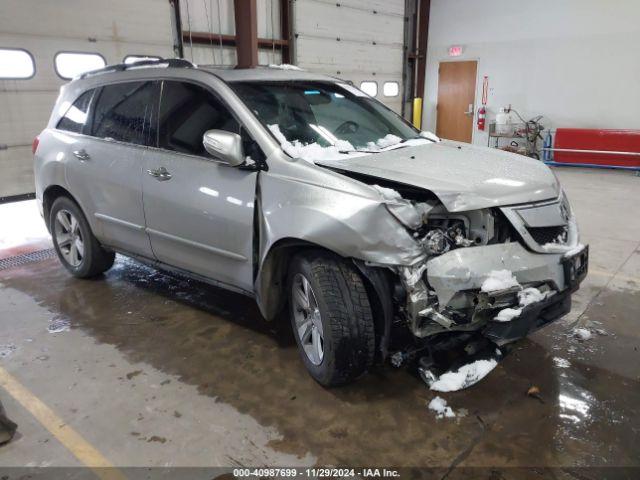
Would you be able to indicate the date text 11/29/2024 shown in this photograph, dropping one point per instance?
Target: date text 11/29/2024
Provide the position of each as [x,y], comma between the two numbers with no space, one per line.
[316,472]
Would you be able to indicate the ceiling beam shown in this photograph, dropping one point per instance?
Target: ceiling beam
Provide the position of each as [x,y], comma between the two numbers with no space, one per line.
[205,38]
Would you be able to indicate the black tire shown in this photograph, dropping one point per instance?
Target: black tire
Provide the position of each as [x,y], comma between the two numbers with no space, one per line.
[345,312]
[95,259]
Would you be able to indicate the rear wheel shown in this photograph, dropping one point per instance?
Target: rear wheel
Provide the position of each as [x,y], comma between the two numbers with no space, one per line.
[77,248]
[331,318]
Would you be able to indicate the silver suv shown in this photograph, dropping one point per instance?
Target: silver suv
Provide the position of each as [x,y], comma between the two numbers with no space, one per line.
[378,241]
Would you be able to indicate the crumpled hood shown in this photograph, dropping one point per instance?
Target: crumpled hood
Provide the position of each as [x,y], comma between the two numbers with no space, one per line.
[463,176]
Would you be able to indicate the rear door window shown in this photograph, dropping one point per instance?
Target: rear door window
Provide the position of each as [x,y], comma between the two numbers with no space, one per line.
[187,111]
[126,112]
[75,119]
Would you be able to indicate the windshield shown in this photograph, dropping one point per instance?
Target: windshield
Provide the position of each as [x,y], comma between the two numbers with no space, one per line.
[316,120]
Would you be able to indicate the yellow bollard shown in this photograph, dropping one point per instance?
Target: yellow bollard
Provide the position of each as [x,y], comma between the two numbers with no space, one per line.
[417,113]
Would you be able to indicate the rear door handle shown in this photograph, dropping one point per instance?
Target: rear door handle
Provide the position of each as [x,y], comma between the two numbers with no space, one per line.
[161,174]
[81,154]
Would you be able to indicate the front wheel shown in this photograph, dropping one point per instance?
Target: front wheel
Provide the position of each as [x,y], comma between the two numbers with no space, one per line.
[77,248]
[331,318]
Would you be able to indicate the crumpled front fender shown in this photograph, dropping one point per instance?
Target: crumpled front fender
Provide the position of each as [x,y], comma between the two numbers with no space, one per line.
[349,224]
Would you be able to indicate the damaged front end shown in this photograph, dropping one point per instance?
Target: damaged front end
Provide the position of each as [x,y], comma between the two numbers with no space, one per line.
[490,276]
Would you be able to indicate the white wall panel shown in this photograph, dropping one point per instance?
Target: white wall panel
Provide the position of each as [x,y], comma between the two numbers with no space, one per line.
[354,39]
[114,29]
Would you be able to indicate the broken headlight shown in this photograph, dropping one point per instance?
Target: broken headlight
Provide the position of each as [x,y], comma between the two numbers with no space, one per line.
[436,242]
[565,206]
[448,234]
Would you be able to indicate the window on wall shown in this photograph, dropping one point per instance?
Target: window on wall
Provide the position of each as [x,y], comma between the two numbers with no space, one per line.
[126,112]
[129,59]
[390,89]
[71,64]
[370,88]
[76,116]
[16,63]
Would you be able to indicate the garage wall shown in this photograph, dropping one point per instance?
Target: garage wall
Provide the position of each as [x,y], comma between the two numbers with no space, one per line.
[358,40]
[577,62]
[217,16]
[113,29]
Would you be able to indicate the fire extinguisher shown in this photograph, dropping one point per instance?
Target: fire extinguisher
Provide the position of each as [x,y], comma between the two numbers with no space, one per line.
[482,116]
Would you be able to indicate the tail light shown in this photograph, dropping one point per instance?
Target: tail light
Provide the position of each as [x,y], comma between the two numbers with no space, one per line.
[34,145]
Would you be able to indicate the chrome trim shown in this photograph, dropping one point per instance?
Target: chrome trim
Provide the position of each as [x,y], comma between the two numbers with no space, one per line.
[117,221]
[208,248]
[513,216]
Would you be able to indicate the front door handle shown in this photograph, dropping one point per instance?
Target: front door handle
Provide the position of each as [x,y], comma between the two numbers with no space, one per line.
[161,174]
[81,154]
[469,112]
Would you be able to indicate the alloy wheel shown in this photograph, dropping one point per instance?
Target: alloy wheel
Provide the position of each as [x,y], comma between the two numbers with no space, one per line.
[69,237]
[308,321]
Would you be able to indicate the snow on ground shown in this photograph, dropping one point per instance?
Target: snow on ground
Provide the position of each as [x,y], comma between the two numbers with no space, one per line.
[499,280]
[21,224]
[58,325]
[582,333]
[464,377]
[561,362]
[439,405]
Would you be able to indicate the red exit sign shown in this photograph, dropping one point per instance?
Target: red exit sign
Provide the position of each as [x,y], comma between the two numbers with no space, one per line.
[455,50]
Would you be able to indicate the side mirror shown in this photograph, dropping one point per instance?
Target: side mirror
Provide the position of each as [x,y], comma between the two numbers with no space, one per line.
[225,146]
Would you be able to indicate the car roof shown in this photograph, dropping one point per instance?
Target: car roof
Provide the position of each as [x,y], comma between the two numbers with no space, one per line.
[223,72]
[264,73]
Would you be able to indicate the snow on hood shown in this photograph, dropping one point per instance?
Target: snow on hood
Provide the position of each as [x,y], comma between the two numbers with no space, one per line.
[463,176]
[313,152]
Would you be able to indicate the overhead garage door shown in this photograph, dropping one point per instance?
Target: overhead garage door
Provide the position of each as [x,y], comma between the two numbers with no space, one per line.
[111,29]
[358,40]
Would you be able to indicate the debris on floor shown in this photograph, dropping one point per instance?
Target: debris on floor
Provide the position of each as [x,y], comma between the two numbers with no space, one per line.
[464,377]
[534,392]
[582,333]
[439,405]
[6,350]
[59,324]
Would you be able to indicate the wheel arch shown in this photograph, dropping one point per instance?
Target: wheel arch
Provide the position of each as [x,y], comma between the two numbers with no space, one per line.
[271,280]
[50,194]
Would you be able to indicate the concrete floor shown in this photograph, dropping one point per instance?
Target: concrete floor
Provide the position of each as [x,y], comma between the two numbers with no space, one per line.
[157,370]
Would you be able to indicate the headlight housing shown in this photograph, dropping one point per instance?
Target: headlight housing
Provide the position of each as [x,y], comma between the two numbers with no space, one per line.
[565,205]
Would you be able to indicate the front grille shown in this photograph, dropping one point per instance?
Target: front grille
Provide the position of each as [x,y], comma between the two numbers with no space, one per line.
[543,235]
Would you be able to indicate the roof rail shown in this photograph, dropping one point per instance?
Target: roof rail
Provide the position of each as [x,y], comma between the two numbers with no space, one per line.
[120,67]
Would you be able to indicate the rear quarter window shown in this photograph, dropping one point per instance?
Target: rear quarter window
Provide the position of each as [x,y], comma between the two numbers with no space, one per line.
[76,116]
